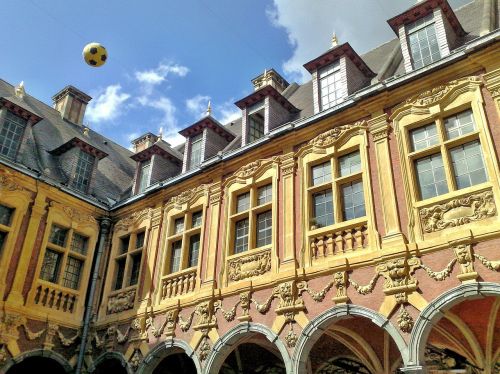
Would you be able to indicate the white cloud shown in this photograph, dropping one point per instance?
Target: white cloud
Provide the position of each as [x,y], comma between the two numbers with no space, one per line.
[165,106]
[108,105]
[174,138]
[197,105]
[158,75]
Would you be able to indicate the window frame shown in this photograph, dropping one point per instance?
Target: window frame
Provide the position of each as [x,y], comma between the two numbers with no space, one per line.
[336,74]
[77,182]
[128,257]
[196,140]
[143,183]
[430,22]
[3,119]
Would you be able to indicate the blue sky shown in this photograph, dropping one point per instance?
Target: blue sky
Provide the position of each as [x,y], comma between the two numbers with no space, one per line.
[168,58]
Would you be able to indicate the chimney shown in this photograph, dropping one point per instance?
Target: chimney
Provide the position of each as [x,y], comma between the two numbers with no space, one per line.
[144,141]
[270,78]
[71,103]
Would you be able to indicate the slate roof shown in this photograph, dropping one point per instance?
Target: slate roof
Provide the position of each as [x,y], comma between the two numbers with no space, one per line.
[116,171]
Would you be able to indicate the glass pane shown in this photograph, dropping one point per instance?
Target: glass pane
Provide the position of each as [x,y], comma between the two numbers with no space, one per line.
[350,164]
[145,175]
[424,137]
[11,132]
[6,214]
[241,236]
[459,124]
[323,208]
[50,266]
[83,172]
[264,194]
[124,243]
[196,219]
[353,200]
[58,236]
[139,241]
[468,164]
[264,229]
[120,272]
[423,44]
[3,238]
[71,278]
[79,244]
[255,127]
[243,202]
[135,269]
[175,258]
[431,177]
[179,225]
[330,82]
[194,250]
[321,173]
[196,148]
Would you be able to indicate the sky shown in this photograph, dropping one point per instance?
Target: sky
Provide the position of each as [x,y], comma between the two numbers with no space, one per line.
[168,58]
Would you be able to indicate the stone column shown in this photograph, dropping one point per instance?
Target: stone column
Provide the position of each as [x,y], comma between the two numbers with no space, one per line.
[379,129]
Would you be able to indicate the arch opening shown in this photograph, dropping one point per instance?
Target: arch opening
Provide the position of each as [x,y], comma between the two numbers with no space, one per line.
[174,356]
[175,363]
[37,364]
[110,365]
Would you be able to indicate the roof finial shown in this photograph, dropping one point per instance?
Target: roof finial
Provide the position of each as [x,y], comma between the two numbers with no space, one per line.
[20,91]
[160,133]
[335,41]
[209,109]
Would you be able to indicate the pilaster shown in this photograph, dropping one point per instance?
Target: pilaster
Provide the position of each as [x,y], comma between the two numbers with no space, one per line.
[492,80]
[379,129]
[287,172]
[214,211]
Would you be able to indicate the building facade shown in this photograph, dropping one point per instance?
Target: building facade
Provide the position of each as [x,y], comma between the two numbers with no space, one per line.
[346,225]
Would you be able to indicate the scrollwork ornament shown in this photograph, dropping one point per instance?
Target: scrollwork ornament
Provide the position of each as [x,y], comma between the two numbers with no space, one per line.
[249,266]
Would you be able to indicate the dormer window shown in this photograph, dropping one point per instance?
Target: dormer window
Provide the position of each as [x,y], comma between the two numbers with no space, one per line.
[423,43]
[256,125]
[83,171]
[145,172]
[331,91]
[196,148]
[11,133]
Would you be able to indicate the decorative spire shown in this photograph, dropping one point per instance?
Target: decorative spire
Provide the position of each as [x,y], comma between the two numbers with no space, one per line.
[19,90]
[160,133]
[335,41]
[209,109]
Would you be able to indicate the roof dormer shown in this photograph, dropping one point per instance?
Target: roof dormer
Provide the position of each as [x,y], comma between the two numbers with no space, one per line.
[266,108]
[428,32]
[78,162]
[336,74]
[156,161]
[204,139]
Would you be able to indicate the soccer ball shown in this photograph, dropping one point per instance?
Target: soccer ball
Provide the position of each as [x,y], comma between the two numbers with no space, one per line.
[95,54]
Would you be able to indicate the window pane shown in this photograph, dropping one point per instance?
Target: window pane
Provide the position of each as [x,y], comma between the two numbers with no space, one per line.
[179,225]
[264,194]
[120,272]
[71,278]
[196,143]
[241,236]
[79,244]
[350,164]
[255,127]
[330,85]
[50,266]
[124,243]
[175,258]
[3,238]
[6,215]
[431,176]
[264,229]
[135,269]
[145,175]
[194,250]
[58,236]
[423,43]
[353,200]
[321,173]
[424,137]
[323,208]
[468,165]
[243,202]
[11,132]
[139,241]
[83,172]
[460,124]
[196,219]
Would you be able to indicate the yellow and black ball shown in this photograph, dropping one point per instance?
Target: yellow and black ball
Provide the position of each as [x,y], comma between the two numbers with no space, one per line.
[95,54]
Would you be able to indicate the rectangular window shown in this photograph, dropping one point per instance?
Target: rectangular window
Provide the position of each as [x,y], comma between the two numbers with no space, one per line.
[120,273]
[6,214]
[194,250]
[139,240]
[431,176]
[83,171]
[71,278]
[196,219]
[424,137]
[58,236]
[350,164]
[124,243]
[264,229]
[243,202]
[175,258]
[3,237]
[353,200]
[423,42]
[179,225]
[11,132]
[50,266]
[145,173]
[241,237]
[135,269]
[468,165]
[264,194]
[196,143]
[330,84]
[459,125]
[323,208]
[79,244]
[255,127]
[321,173]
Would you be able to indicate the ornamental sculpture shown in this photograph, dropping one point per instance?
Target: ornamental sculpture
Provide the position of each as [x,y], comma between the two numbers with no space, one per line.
[249,266]
[121,301]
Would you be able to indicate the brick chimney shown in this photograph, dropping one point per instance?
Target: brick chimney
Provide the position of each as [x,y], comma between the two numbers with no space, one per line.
[144,141]
[71,103]
[270,78]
